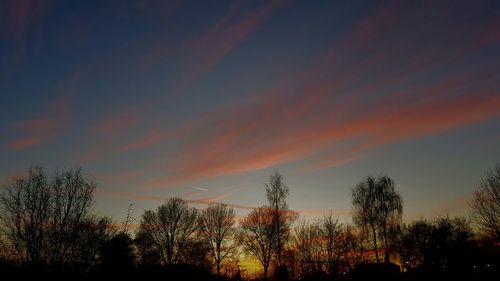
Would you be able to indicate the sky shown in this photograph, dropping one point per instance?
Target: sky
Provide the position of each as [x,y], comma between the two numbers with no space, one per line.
[204,99]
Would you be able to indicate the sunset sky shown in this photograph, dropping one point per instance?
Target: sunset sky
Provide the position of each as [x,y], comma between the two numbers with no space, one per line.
[203,99]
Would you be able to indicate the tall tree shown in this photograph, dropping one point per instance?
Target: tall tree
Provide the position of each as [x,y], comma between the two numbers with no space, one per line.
[45,218]
[330,233]
[365,208]
[257,236]
[217,228]
[170,227]
[307,241]
[277,191]
[379,207]
[390,207]
[486,203]
[352,246]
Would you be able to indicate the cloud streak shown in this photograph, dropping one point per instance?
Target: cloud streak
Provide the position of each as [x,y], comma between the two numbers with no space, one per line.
[306,113]
[218,199]
[18,16]
[36,131]
[204,52]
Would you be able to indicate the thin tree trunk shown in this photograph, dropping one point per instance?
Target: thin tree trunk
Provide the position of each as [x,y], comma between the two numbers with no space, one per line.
[375,242]
[386,252]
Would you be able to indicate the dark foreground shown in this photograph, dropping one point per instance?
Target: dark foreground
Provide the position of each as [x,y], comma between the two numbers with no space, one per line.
[190,272]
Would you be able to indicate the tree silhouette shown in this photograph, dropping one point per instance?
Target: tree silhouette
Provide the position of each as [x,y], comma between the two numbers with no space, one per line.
[149,255]
[257,235]
[117,253]
[307,240]
[352,246]
[330,233]
[45,219]
[378,206]
[414,244]
[486,203]
[442,244]
[216,229]
[170,228]
[277,191]
[390,207]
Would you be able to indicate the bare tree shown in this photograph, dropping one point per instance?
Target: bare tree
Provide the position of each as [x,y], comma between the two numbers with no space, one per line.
[217,228]
[277,191]
[318,245]
[71,199]
[352,246]
[377,205]
[330,233]
[307,240]
[486,203]
[45,218]
[148,252]
[95,232]
[170,228]
[257,235]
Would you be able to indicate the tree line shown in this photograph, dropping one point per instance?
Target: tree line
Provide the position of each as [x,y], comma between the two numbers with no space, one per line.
[47,225]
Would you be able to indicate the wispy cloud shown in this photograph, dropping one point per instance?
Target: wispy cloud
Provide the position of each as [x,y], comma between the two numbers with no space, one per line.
[203,201]
[39,129]
[18,16]
[110,128]
[278,129]
[219,199]
[204,51]
[307,112]
[347,95]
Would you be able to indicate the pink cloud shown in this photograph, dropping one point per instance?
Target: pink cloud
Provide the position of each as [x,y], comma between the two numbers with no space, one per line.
[20,15]
[109,129]
[150,139]
[304,114]
[209,48]
[37,130]
[255,138]
[123,177]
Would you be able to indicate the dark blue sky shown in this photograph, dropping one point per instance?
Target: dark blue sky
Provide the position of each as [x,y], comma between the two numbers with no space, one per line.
[161,98]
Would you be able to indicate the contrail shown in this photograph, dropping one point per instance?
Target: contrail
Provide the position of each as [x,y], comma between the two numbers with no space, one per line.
[200,188]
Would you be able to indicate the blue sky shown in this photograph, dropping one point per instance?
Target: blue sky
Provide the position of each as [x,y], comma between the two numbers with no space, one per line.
[160,98]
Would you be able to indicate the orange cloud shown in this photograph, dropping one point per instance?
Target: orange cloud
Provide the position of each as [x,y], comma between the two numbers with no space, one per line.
[257,147]
[304,114]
